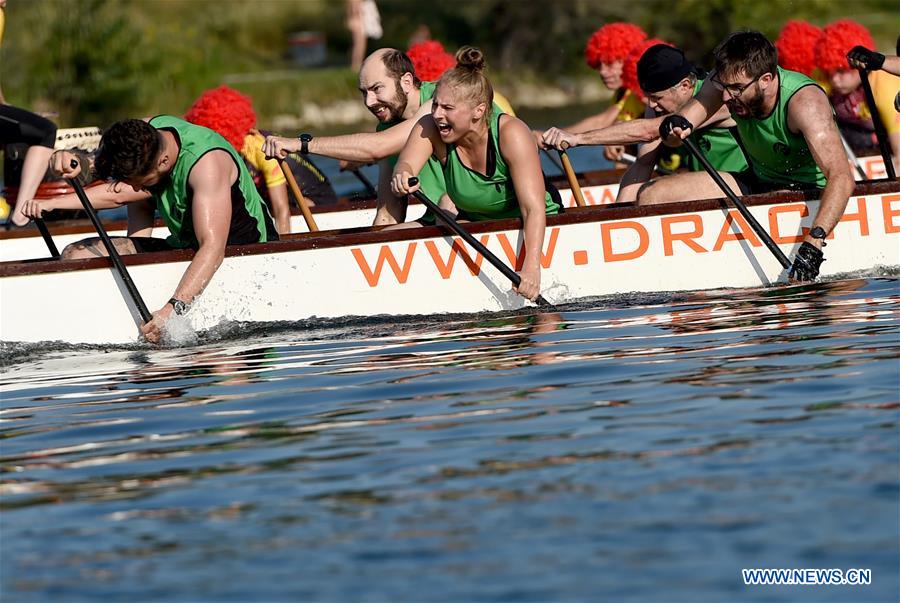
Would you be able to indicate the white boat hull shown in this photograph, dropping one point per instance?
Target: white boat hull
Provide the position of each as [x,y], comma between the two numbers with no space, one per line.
[690,246]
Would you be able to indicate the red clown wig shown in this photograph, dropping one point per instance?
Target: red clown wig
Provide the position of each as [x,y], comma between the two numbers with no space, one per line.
[796,46]
[612,43]
[629,67]
[226,111]
[837,40]
[430,60]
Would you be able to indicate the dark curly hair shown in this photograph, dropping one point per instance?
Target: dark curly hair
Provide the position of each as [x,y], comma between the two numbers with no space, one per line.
[747,51]
[127,150]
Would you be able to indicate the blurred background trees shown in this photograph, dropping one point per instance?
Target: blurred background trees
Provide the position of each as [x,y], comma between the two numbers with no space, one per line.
[94,61]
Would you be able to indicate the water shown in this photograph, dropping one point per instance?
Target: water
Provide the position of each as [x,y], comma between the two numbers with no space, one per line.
[630,449]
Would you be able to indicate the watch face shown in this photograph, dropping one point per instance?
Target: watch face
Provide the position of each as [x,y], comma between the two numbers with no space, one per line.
[817,233]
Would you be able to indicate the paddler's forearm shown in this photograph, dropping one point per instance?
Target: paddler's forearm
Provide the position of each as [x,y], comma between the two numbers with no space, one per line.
[535,223]
[101,197]
[834,201]
[624,132]
[199,272]
[364,147]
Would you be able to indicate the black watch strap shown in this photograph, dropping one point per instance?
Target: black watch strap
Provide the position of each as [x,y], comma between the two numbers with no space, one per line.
[304,143]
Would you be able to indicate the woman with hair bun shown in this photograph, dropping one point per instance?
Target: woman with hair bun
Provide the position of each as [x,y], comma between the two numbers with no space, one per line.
[489,160]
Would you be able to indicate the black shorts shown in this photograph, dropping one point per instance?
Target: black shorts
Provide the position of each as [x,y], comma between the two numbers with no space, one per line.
[148,244]
[19,125]
[750,184]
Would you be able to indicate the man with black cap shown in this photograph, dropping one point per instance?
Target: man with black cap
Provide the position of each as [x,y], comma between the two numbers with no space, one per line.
[669,81]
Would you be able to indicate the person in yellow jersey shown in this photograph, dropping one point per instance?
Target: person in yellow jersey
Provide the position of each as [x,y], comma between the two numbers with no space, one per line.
[398,98]
[847,96]
[861,57]
[230,113]
[607,50]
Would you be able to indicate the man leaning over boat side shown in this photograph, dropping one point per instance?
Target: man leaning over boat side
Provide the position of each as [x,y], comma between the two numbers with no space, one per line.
[785,126]
[668,80]
[201,188]
[394,94]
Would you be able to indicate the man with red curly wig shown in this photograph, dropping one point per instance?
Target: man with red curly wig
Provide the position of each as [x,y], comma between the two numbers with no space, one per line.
[607,51]
[847,95]
[230,113]
[393,92]
[785,126]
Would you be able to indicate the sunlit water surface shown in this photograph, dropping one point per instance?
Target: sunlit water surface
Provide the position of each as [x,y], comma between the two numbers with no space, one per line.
[629,449]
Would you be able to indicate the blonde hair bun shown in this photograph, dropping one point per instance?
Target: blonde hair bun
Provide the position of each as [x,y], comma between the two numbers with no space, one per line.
[470,58]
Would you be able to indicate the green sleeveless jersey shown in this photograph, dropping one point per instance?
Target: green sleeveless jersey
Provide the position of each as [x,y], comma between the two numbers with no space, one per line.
[491,196]
[719,147]
[431,176]
[250,219]
[777,155]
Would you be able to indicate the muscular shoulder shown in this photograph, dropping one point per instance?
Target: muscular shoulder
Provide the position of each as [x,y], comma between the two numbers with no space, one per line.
[214,169]
[809,107]
[513,129]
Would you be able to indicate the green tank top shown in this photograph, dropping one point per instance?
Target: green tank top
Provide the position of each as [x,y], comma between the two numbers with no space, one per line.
[775,154]
[250,219]
[432,176]
[491,196]
[719,147]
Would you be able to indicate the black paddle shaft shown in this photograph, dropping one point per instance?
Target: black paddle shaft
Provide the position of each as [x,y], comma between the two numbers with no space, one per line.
[111,250]
[757,228]
[51,246]
[472,241]
[880,132]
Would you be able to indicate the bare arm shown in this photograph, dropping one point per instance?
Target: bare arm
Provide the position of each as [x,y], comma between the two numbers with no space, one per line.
[420,146]
[104,196]
[809,114]
[528,182]
[210,181]
[707,102]
[363,147]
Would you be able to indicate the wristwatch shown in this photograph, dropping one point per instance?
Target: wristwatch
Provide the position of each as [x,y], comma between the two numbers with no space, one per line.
[179,306]
[818,232]
[304,143]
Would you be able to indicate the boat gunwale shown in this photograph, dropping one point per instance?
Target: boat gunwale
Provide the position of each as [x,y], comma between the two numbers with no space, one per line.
[365,235]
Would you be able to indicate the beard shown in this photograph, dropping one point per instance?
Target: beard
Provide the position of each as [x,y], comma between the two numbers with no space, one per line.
[753,107]
[395,108]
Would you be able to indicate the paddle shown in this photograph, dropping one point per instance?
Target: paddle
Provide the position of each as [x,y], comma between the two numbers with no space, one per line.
[570,175]
[301,200]
[111,249]
[51,246]
[472,241]
[757,228]
[880,132]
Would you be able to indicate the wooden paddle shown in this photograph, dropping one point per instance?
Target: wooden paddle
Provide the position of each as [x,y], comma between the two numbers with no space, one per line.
[301,200]
[880,132]
[570,176]
[472,241]
[111,249]
[757,228]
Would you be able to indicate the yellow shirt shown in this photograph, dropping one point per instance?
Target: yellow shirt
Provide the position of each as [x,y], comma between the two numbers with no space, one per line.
[269,168]
[885,87]
[630,106]
[503,103]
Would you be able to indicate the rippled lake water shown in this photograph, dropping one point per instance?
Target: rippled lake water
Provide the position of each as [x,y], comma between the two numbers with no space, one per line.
[628,449]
